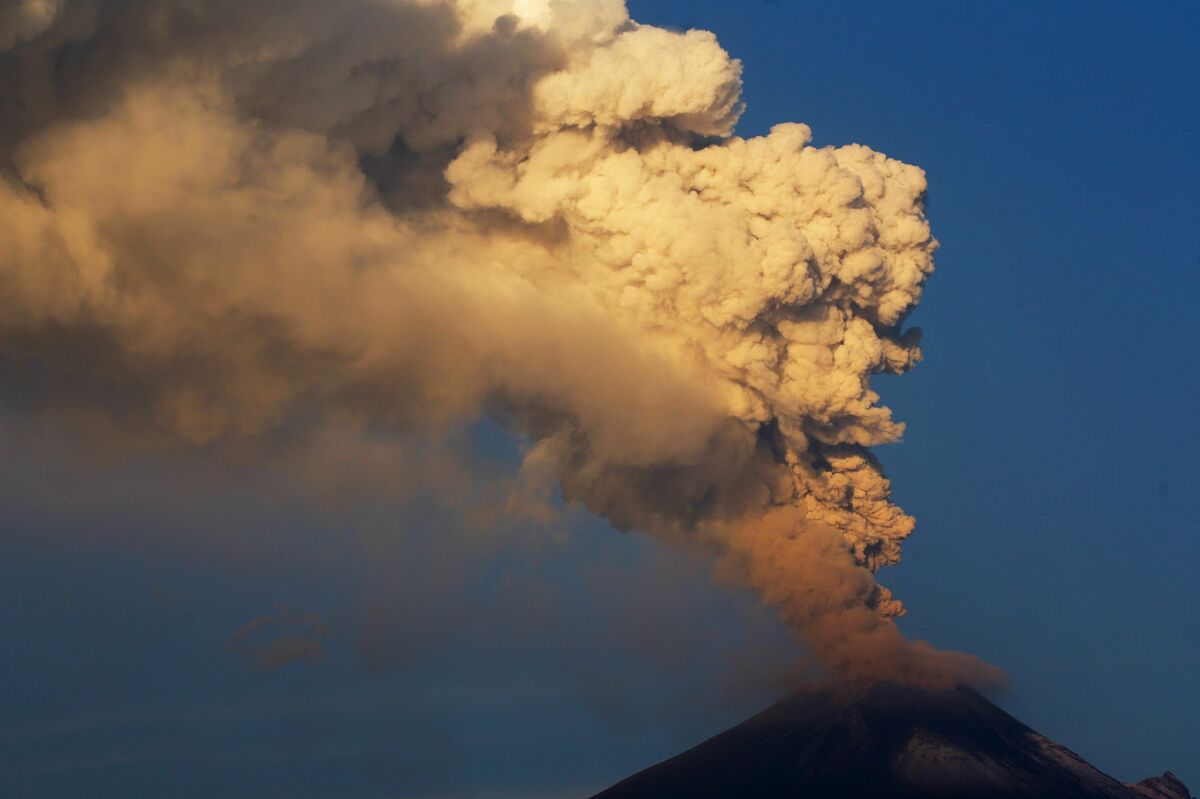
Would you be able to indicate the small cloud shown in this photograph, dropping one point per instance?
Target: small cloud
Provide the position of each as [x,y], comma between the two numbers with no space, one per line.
[268,643]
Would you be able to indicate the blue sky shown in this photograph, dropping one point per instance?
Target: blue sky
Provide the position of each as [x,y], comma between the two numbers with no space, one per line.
[1051,462]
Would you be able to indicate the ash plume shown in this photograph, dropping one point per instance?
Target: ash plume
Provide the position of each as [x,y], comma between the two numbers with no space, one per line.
[223,219]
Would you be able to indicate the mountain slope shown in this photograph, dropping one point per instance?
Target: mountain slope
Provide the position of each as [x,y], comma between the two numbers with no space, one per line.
[883,741]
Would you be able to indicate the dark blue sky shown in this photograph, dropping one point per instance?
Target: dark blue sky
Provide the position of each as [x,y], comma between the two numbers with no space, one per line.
[1051,461]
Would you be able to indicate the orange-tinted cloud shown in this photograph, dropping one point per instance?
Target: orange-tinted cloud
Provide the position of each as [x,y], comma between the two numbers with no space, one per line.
[230,219]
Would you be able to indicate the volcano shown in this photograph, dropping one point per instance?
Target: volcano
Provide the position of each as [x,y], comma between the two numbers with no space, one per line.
[883,741]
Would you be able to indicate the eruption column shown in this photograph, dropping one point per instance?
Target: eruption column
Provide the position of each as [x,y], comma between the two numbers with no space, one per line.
[222,217]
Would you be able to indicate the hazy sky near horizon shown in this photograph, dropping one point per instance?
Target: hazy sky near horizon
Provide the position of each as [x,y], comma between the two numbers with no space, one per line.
[1050,460]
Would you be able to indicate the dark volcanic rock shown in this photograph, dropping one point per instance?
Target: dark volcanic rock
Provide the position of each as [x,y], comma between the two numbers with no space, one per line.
[884,741]
[1168,786]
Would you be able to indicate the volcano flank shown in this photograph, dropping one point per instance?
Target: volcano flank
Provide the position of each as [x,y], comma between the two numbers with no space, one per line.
[883,741]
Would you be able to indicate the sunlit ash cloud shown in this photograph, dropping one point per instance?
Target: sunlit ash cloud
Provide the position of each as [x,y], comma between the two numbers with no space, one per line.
[224,219]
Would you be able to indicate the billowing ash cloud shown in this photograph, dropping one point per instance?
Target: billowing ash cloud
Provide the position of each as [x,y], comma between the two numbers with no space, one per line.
[25,19]
[226,218]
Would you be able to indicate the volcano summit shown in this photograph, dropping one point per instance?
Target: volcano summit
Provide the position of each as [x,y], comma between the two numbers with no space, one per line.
[884,741]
